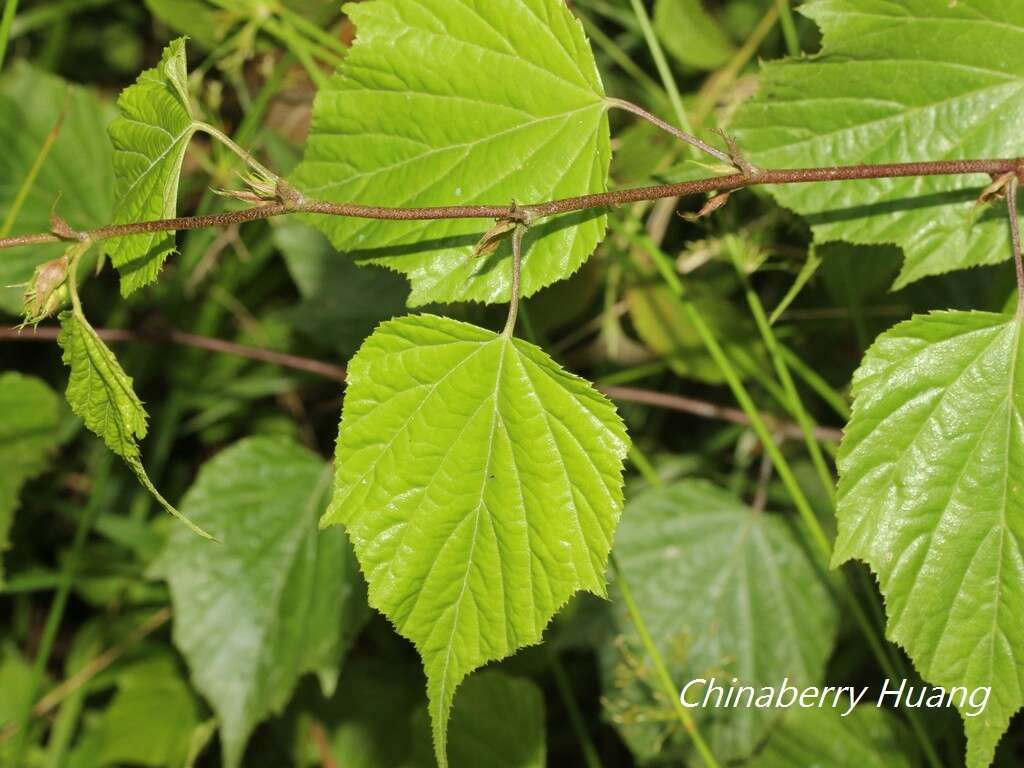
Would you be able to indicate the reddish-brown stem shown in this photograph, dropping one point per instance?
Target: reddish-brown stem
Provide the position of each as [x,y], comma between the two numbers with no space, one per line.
[1018,261]
[113,335]
[679,403]
[529,213]
[657,122]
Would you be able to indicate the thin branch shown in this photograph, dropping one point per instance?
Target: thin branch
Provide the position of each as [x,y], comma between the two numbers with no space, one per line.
[1011,204]
[680,403]
[708,410]
[114,335]
[529,213]
[693,141]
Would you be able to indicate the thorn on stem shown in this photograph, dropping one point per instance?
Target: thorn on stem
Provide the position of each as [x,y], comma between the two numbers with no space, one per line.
[63,230]
[736,156]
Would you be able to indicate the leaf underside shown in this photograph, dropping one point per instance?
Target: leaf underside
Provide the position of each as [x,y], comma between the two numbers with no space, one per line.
[897,81]
[465,102]
[480,484]
[931,497]
[725,591]
[275,599]
[869,737]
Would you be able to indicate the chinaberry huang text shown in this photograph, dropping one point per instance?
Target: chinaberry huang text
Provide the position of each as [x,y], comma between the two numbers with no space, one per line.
[701,693]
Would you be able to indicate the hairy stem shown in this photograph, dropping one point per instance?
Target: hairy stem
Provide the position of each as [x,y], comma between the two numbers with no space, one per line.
[693,141]
[993,167]
[653,398]
[517,270]
[1011,204]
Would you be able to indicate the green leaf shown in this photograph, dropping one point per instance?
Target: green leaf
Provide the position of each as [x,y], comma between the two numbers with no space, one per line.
[444,102]
[480,484]
[74,175]
[342,302]
[197,19]
[497,721]
[28,434]
[150,139]
[726,592]
[897,81]
[690,34]
[276,599]
[866,738]
[148,722]
[101,393]
[931,497]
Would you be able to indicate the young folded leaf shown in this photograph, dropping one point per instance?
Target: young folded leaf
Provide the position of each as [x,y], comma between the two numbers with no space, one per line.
[480,484]
[150,139]
[101,393]
[931,496]
[444,102]
[897,81]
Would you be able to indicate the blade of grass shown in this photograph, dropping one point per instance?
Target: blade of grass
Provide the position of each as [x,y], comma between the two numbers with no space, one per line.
[817,534]
[10,9]
[56,614]
[788,27]
[32,175]
[668,687]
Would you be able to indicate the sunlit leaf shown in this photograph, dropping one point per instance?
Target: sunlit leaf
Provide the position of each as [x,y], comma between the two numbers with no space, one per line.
[101,393]
[931,496]
[480,484]
[444,102]
[897,81]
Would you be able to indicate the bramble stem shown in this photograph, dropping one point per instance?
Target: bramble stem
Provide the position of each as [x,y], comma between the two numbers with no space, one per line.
[657,122]
[1011,204]
[992,167]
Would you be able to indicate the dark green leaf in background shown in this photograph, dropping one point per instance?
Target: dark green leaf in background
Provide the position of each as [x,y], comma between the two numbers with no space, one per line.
[275,599]
[869,737]
[342,302]
[726,592]
[63,129]
[29,420]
